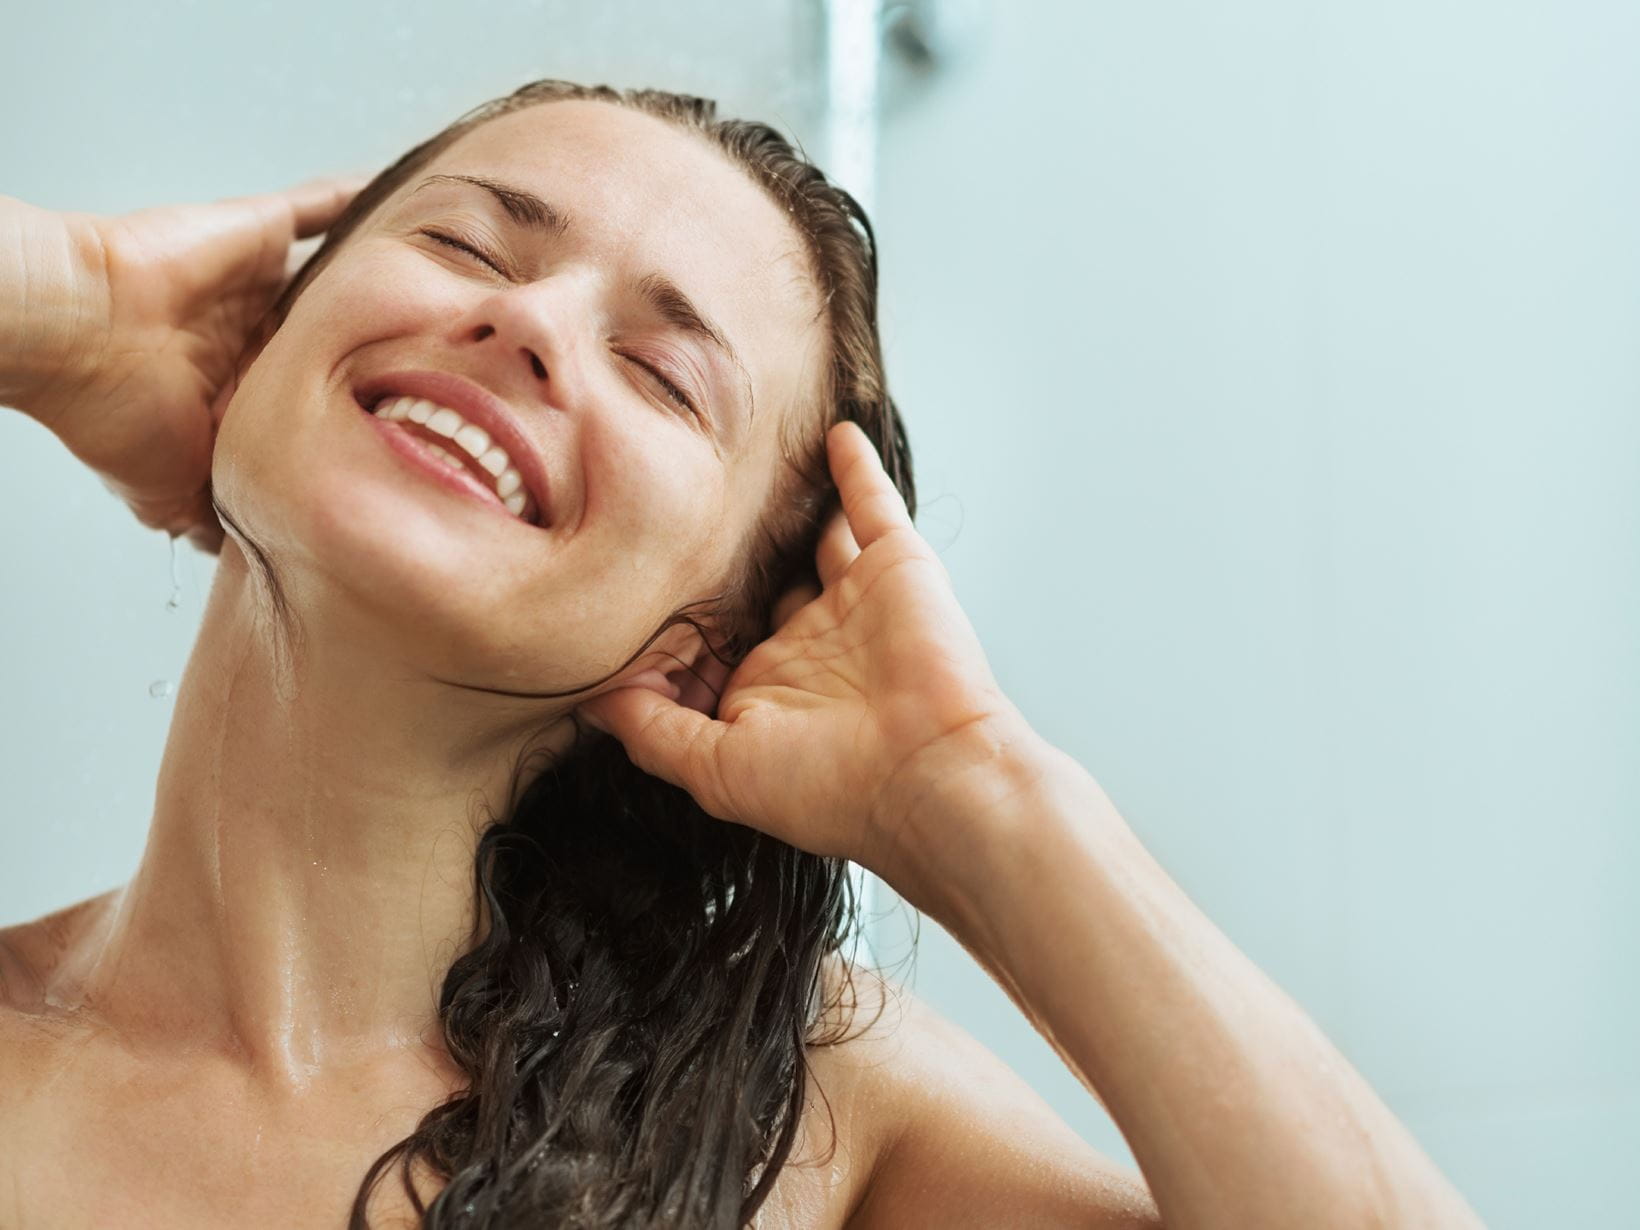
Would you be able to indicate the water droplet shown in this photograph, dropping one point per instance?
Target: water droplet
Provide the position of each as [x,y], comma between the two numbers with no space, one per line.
[175,600]
[161,688]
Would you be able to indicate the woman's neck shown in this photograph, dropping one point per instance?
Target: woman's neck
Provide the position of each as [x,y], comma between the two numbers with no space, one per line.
[308,876]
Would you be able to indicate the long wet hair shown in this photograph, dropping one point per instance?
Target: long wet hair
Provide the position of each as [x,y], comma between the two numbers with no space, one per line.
[634,1003]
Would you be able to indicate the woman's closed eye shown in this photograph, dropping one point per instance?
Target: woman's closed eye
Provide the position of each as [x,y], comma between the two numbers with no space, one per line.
[462,245]
[671,389]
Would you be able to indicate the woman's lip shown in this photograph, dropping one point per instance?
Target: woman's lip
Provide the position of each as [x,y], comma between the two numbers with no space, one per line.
[478,406]
[417,454]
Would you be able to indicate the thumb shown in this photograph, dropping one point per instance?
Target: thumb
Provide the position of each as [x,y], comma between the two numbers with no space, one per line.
[174,513]
[663,738]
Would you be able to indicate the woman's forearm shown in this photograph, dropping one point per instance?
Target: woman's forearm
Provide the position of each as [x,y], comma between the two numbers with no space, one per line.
[1238,1110]
[42,308]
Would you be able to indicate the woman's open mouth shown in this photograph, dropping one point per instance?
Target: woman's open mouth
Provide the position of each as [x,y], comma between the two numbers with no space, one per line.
[444,446]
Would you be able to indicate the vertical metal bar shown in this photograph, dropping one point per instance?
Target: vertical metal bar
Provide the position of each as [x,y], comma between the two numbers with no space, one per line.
[853,48]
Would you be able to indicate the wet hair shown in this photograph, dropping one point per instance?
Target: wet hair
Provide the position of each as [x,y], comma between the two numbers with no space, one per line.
[633,1007]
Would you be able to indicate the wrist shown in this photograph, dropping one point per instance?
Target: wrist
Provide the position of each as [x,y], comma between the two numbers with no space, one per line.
[947,824]
[49,306]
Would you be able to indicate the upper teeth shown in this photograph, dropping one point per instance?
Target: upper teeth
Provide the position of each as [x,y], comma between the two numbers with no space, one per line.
[475,441]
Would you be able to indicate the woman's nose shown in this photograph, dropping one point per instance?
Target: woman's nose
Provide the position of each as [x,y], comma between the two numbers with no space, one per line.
[533,329]
[539,368]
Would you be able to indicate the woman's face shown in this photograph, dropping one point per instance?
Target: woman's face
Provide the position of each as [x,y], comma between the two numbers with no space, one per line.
[647,499]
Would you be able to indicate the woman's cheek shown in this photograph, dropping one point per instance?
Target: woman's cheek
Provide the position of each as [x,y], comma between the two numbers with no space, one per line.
[381,292]
[658,474]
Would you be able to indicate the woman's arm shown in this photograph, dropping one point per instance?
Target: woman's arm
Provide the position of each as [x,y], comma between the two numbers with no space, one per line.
[871,727]
[1238,1110]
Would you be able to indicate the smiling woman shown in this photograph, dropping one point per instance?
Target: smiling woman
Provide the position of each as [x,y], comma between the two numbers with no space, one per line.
[501,832]
[635,321]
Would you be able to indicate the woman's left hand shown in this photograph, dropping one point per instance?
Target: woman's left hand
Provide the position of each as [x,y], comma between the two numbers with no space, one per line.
[861,698]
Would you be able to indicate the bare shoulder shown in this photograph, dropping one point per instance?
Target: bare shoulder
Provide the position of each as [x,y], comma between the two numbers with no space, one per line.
[31,952]
[956,1137]
[36,1040]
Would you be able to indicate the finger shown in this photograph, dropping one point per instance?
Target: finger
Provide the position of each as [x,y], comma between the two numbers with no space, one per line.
[261,228]
[791,602]
[298,254]
[837,549]
[207,534]
[172,513]
[319,202]
[210,248]
[873,503]
[663,738]
[207,539]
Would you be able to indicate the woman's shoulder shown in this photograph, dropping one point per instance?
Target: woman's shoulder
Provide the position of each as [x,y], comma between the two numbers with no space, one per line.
[846,1121]
[885,1068]
[39,1043]
[875,1052]
[941,1131]
[32,952]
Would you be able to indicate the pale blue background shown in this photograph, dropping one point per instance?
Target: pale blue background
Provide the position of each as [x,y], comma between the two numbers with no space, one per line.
[1271,371]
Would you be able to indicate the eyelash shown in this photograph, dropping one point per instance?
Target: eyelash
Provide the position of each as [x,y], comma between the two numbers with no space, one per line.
[471,250]
[672,390]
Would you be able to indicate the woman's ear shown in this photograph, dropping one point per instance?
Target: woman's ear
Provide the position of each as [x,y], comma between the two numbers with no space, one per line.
[699,676]
[701,683]
[695,682]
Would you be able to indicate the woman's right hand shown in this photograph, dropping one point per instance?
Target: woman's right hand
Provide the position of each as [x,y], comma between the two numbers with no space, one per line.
[163,302]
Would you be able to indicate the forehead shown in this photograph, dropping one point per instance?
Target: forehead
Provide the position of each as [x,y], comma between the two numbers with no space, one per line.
[642,194]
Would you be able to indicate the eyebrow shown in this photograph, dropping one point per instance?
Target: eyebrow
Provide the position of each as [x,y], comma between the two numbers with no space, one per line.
[660,292]
[522,206]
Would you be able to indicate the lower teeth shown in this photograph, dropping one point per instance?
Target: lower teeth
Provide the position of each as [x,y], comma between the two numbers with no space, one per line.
[445,455]
[455,462]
